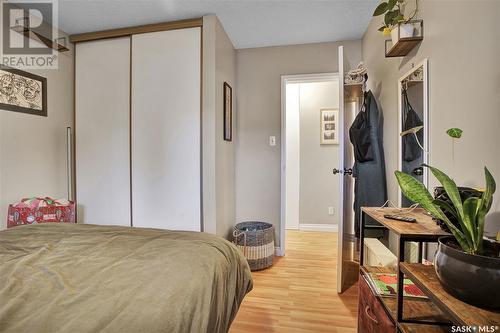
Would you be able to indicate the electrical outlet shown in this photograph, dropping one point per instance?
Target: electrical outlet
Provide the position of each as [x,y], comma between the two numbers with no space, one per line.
[330,210]
[272,140]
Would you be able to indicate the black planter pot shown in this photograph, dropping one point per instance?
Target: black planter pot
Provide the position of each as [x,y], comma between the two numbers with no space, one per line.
[471,278]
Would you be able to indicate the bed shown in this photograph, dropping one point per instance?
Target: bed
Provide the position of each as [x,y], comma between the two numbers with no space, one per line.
[87,278]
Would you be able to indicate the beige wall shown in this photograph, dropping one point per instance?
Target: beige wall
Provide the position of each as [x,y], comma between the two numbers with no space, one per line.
[259,73]
[219,66]
[225,71]
[319,189]
[33,148]
[462,45]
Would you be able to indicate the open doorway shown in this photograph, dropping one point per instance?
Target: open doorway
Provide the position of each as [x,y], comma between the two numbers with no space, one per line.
[310,195]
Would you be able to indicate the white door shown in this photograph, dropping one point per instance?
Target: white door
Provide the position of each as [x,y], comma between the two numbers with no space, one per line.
[102,86]
[347,266]
[166,171]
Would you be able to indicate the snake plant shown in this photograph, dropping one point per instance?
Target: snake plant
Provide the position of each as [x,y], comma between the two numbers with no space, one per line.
[470,213]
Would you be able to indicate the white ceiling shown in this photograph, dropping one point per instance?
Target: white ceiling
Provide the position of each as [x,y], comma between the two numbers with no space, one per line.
[248,23]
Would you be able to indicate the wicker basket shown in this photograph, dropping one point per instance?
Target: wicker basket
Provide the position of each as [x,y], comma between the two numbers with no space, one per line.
[256,241]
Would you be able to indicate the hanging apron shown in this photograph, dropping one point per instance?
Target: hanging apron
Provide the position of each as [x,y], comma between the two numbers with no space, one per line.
[411,149]
[370,189]
[359,134]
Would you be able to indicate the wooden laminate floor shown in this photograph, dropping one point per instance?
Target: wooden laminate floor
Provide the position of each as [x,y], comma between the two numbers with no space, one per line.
[299,293]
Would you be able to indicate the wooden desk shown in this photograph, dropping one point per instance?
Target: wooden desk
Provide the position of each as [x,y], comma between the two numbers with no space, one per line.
[424,230]
[424,227]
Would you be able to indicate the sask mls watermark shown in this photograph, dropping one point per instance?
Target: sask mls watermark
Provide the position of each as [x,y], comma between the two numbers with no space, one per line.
[29,34]
[475,329]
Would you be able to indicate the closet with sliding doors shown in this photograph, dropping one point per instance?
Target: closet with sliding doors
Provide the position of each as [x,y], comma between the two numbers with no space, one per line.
[137,125]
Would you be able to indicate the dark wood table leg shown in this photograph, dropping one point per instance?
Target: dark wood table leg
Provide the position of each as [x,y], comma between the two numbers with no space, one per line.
[401,256]
[361,237]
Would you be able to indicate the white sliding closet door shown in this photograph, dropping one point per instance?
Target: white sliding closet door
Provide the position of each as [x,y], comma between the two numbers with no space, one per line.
[102,95]
[166,129]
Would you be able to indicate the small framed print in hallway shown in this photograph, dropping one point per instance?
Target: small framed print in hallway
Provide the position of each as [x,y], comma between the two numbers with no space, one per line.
[329,123]
[228,112]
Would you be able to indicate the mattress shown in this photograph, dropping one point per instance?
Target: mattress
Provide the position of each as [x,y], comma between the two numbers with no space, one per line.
[87,278]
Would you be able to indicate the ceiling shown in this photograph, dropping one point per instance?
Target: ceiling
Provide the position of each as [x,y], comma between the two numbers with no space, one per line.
[248,23]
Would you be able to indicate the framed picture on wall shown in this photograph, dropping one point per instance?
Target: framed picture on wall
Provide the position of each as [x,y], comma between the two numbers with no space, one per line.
[329,126]
[22,92]
[228,112]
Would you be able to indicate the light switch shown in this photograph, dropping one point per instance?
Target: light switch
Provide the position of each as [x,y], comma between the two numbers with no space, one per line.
[272,140]
[330,210]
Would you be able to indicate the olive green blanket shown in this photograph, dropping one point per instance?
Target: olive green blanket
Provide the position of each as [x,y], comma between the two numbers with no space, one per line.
[86,278]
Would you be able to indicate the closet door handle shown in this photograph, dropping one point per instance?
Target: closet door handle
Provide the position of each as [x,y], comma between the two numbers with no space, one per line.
[368,310]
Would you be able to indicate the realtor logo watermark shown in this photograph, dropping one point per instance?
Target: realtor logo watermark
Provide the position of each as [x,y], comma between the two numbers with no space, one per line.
[475,329]
[29,34]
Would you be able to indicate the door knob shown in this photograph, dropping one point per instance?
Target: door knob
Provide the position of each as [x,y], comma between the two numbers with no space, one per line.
[345,171]
[418,171]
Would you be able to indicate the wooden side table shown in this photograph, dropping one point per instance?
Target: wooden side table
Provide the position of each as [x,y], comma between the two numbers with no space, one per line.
[422,316]
[459,312]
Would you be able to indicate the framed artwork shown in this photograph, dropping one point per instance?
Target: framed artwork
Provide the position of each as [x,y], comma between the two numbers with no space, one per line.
[228,112]
[22,92]
[329,126]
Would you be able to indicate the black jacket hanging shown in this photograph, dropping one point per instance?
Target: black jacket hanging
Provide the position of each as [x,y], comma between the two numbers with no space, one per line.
[359,134]
[370,188]
[411,149]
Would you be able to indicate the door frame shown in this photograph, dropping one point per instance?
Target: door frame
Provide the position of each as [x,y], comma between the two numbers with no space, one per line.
[297,78]
[425,154]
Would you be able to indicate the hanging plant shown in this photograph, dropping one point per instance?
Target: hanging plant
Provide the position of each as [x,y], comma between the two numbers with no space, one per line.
[394,14]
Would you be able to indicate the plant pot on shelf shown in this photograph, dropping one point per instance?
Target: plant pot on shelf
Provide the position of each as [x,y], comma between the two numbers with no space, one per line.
[473,279]
[465,193]
[407,30]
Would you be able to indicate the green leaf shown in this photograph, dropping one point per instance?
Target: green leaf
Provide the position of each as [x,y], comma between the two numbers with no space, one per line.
[455,133]
[451,189]
[446,207]
[491,187]
[416,191]
[471,207]
[391,4]
[389,18]
[381,28]
[487,199]
[381,9]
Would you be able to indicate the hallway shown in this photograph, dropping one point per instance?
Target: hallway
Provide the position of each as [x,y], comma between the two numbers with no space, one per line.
[298,294]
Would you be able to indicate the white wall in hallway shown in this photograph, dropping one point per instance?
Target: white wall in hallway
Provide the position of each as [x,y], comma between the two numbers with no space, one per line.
[311,188]
[319,188]
[292,164]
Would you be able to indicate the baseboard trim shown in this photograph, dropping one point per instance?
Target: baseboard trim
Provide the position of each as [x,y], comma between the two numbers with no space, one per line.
[319,227]
[278,251]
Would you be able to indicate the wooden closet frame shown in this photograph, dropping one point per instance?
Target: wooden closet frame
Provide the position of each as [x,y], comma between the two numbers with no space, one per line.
[124,32]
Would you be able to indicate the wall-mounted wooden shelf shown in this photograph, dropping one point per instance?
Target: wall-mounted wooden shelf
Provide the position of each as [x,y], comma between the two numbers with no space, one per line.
[28,33]
[404,45]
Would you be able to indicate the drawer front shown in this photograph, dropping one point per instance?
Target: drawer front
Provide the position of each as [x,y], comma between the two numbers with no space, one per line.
[372,317]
